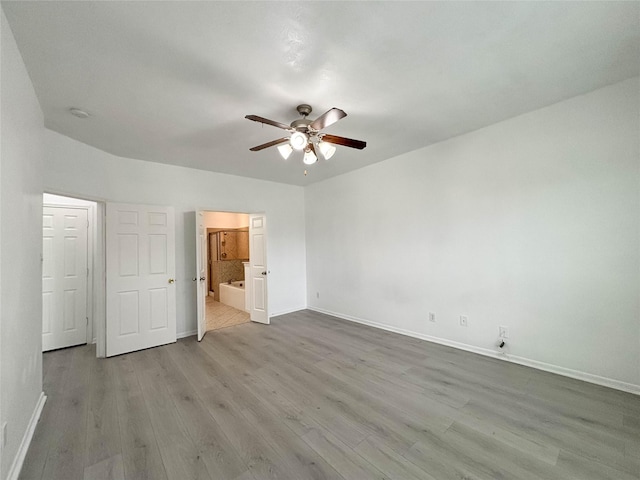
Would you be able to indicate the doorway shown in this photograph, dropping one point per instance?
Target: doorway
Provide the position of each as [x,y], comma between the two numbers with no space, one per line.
[69,262]
[227,259]
[244,289]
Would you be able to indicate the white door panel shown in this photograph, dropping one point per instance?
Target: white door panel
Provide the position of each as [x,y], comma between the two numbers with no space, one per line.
[258,267]
[141,295]
[64,277]
[201,274]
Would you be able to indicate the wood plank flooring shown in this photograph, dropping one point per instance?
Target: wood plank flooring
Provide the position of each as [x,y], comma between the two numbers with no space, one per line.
[315,397]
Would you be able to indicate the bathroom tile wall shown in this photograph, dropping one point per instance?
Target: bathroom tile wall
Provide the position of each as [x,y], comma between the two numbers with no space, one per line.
[225,271]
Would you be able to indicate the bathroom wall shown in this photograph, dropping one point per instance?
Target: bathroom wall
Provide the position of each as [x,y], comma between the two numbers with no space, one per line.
[236,246]
[224,271]
[230,271]
[226,220]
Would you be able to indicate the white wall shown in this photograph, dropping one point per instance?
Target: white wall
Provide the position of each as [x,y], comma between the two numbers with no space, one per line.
[50,199]
[21,154]
[76,169]
[532,223]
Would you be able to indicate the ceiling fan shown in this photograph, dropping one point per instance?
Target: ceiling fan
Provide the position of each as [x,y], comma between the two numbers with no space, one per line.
[306,135]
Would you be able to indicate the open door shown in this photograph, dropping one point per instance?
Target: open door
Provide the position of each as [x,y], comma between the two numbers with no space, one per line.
[201,274]
[258,268]
[141,290]
[64,277]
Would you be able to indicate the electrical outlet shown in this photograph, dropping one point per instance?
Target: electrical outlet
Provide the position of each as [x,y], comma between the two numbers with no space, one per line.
[432,317]
[503,332]
[463,320]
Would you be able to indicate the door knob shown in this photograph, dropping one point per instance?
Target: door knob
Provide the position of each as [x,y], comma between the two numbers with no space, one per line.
[264,273]
[202,279]
[171,280]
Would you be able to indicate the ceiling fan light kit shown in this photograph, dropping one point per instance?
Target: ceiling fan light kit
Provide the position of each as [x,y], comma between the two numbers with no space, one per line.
[309,157]
[306,135]
[326,149]
[285,150]
[298,141]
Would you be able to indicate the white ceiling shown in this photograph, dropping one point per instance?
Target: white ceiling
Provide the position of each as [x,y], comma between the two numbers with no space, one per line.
[171,82]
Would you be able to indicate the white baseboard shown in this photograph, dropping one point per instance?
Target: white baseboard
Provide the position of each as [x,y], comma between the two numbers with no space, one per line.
[186,334]
[290,310]
[16,466]
[547,367]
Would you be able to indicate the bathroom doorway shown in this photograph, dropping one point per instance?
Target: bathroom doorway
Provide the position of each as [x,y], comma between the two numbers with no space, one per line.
[227,263]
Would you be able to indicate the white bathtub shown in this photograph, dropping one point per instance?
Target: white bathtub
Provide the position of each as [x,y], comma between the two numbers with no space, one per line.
[233,294]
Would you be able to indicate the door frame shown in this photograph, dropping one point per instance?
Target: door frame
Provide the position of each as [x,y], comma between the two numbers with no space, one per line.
[96,300]
[213,209]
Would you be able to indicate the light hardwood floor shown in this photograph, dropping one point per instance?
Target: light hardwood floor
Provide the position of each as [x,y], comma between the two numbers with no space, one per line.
[314,397]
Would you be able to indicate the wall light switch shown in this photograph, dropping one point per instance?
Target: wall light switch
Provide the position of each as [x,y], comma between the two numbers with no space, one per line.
[432,317]
[464,320]
[503,331]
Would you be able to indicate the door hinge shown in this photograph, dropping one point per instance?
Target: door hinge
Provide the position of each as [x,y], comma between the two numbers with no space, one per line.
[87,272]
[87,321]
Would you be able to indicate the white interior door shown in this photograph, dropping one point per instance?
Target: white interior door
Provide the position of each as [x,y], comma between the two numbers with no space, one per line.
[201,274]
[64,277]
[258,267]
[141,290]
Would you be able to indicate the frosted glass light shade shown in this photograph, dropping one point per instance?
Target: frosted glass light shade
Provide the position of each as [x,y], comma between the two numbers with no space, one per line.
[298,140]
[327,150]
[285,150]
[309,157]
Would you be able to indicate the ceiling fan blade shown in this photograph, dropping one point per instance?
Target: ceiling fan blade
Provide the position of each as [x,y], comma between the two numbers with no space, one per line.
[256,118]
[328,118]
[270,144]
[347,142]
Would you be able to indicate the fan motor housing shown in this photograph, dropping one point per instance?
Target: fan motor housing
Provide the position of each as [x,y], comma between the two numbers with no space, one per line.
[304,109]
[301,125]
